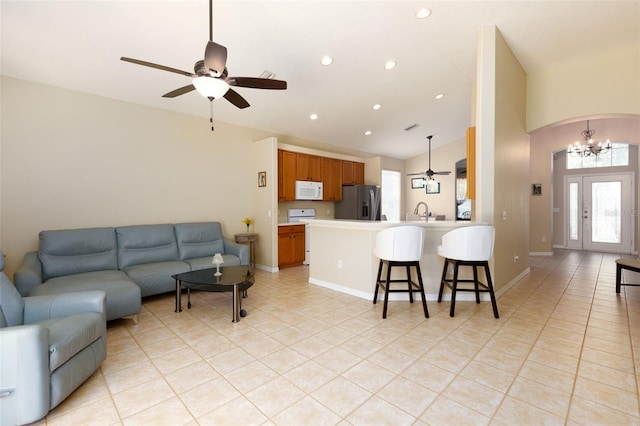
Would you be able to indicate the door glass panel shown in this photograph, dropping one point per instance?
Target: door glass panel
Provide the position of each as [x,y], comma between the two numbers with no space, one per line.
[606,199]
[574,211]
[390,189]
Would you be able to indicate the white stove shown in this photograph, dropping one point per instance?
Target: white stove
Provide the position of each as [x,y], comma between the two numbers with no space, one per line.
[294,216]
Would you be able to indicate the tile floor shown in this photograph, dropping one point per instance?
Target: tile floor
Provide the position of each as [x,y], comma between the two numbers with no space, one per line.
[565,350]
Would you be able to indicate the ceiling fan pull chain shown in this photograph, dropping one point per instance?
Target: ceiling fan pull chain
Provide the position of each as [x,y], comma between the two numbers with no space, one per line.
[211,112]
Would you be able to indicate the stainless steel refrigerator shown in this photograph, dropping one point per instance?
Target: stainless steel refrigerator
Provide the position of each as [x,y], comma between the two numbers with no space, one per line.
[359,202]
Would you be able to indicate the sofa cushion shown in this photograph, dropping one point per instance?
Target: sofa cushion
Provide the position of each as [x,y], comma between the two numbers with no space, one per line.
[74,251]
[140,244]
[199,239]
[69,335]
[11,303]
[123,295]
[155,278]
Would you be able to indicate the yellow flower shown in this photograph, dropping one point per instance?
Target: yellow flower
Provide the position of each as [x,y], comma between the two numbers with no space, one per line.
[247,221]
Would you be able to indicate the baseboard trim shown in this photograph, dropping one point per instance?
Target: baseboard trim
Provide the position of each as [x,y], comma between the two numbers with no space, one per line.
[540,253]
[460,297]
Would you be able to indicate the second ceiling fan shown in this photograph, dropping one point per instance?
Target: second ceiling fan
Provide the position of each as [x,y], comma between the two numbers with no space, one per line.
[428,174]
[211,78]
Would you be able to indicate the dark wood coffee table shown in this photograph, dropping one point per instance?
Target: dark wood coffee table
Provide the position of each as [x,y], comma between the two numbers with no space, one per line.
[236,279]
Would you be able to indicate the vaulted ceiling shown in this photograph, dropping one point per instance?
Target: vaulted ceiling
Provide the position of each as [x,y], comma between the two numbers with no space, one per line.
[78,44]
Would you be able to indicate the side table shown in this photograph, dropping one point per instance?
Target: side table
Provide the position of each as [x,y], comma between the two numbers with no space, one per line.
[251,240]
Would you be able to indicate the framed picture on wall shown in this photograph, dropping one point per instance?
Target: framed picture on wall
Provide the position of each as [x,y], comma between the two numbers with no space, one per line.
[433,188]
[262,179]
[417,183]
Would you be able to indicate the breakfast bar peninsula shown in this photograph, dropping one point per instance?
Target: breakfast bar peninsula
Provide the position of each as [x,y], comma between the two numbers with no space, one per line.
[342,256]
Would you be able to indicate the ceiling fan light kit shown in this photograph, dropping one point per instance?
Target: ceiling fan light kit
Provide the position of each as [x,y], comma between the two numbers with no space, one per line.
[211,76]
[210,87]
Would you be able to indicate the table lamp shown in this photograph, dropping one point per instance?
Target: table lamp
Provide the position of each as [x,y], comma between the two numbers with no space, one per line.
[217,260]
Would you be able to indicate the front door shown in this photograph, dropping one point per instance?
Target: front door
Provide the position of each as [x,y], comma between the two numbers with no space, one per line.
[598,212]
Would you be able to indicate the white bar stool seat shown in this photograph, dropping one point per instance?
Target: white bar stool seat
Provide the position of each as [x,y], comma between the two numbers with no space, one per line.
[468,246]
[400,246]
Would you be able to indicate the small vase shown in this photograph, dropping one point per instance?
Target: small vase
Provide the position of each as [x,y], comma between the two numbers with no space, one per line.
[248,228]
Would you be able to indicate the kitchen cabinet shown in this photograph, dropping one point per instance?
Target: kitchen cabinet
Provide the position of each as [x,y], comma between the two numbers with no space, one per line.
[291,247]
[286,176]
[308,167]
[333,173]
[332,179]
[352,173]
[471,163]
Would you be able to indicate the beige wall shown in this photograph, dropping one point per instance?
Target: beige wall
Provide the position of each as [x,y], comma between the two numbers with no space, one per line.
[72,160]
[585,87]
[442,159]
[502,150]
[546,226]
[265,206]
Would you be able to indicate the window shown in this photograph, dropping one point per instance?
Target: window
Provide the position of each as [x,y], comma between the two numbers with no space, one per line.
[390,195]
[618,155]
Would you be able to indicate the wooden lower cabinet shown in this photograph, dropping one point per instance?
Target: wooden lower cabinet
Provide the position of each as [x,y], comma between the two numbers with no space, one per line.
[291,247]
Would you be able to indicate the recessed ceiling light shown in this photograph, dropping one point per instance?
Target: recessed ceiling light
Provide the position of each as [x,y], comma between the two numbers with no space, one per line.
[439,96]
[367,133]
[313,116]
[377,107]
[423,13]
[390,65]
[326,60]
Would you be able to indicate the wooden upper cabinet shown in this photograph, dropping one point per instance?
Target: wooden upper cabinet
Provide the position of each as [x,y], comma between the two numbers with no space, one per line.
[332,179]
[352,173]
[471,163]
[308,167]
[286,176]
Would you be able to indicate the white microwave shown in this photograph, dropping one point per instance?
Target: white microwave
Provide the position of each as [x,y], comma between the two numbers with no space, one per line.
[308,190]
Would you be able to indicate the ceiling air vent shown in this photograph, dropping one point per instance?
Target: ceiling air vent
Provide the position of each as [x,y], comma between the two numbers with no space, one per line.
[413,126]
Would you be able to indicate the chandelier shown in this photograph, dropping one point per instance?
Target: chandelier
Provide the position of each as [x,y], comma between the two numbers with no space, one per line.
[589,147]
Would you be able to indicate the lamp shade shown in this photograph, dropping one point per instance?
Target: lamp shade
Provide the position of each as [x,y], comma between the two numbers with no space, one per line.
[210,87]
[217,259]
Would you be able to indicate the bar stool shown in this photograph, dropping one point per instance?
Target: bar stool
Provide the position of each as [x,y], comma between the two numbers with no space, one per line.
[400,246]
[468,246]
[628,264]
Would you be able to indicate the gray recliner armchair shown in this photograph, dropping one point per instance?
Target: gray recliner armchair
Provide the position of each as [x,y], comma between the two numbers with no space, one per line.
[49,345]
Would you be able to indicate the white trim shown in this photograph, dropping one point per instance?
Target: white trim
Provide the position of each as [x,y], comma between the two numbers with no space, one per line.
[540,253]
[511,283]
[266,268]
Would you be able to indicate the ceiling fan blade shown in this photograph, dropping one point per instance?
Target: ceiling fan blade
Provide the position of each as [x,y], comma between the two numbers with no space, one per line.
[235,98]
[441,173]
[156,66]
[180,91]
[215,58]
[416,174]
[257,83]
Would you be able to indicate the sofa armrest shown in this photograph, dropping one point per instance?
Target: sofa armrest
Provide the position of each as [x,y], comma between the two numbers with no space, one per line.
[41,308]
[240,250]
[29,275]
[24,373]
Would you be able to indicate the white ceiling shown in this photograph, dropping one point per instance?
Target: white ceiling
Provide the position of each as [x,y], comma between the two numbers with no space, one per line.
[78,45]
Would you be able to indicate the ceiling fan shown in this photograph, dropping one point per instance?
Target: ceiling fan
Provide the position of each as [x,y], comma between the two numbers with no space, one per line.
[211,77]
[428,175]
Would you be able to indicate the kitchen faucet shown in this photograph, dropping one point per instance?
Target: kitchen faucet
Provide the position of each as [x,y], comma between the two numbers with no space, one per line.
[426,208]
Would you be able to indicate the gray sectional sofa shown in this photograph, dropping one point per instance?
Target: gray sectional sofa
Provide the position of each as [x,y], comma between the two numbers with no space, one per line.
[126,262]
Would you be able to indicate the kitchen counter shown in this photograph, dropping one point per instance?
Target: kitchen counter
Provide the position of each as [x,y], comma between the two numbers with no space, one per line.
[342,254]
